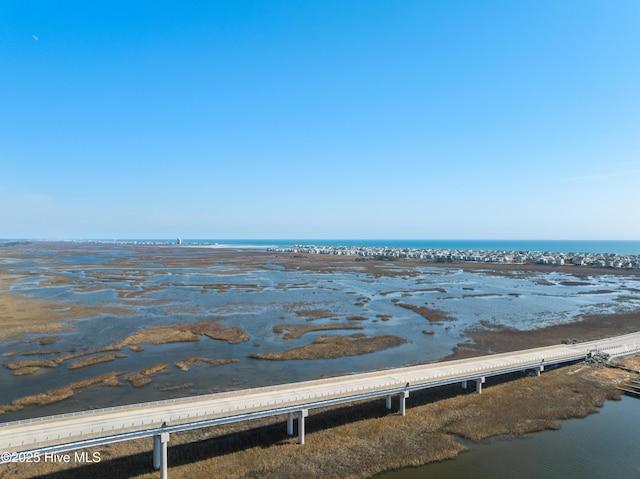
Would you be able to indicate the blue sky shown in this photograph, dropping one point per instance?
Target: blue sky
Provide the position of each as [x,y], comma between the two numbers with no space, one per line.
[320,119]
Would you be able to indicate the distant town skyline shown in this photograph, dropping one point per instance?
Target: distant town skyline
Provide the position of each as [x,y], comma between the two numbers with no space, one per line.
[282,119]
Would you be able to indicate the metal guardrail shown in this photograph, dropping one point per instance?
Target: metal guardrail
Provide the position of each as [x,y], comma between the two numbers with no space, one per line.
[346,395]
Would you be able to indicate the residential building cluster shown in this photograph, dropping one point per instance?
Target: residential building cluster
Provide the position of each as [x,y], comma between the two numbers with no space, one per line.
[598,260]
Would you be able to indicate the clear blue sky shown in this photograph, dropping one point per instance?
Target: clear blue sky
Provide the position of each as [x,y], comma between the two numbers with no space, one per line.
[320,119]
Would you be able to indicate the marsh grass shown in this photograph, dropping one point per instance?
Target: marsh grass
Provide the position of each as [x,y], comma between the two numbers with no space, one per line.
[61,393]
[143,376]
[312,314]
[213,330]
[187,363]
[161,335]
[178,333]
[104,358]
[430,314]
[39,363]
[295,331]
[334,346]
[73,355]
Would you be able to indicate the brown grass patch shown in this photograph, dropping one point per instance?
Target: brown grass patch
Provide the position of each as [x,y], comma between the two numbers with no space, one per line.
[223,288]
[334,346]
[113,380]
[186,364]
[20,315]
[521,406]
[37,352]
[295,331]
[59,394]
[432,315]
[26,371]
[104,358]
[632,363]
[311,314]
[183,333]
[74,355]
[213,330]
[143,376]
[432,290]
[47,340]
[160,335]
[39,363]
[175,387]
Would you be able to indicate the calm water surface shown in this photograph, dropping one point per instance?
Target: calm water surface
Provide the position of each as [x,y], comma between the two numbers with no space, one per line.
[603,445]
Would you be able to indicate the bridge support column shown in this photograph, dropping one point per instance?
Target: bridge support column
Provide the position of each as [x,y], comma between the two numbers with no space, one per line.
[301,415]
[160,453]
[290,424]
[479,383]
[156,452]
[403,396]
[388,401]
[538,370]
[464,384]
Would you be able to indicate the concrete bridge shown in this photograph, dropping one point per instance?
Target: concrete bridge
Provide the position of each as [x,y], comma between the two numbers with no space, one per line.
[35,438]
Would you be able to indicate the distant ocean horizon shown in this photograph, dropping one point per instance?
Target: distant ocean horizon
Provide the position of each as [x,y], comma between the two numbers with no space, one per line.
[623,247]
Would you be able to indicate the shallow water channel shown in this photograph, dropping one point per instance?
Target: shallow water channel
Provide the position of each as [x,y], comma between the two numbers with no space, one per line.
[604,445]
[133,289]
